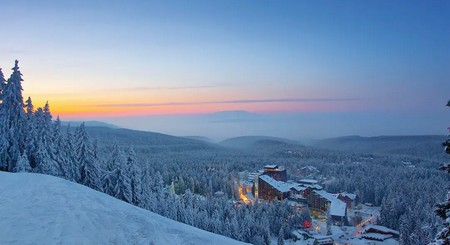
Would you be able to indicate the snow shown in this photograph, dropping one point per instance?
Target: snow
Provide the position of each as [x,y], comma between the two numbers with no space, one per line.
[41,209]
[337,207]
[279,185]
[349,195]
[308,181]
[381,229]
[376,236]
[351,235]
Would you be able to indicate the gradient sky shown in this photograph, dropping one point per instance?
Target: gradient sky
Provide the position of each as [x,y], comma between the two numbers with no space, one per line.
[97,59]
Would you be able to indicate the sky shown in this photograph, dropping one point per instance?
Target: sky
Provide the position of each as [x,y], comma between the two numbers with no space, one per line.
[136,62]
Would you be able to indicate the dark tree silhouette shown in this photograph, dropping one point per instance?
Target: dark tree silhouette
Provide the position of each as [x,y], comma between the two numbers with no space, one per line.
[443,209]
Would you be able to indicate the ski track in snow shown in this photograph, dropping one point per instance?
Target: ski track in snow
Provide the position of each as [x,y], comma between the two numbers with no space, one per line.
[41,209]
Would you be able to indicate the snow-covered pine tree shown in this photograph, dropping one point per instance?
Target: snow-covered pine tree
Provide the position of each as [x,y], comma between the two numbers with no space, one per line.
[44,163]
[31,134]
[280,240]
[147,196]
[13,117]
[122,189]
[188,206]
[89,172]
[2,84]
[44,160]
[23,165]
[3,150]
[59,143]
[47,131]
[116,181]
[135,176]
[108,175]
[3,142]
[443,209]
[73,171]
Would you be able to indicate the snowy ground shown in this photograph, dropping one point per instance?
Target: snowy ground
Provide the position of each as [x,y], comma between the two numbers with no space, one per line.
[41,209]
[344,235]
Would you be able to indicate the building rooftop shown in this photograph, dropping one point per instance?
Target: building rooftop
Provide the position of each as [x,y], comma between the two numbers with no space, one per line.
[279,185]
[308,181]
[297,187]
[349,195]
[381,229]
[271,166]
[337,207]
[376,236]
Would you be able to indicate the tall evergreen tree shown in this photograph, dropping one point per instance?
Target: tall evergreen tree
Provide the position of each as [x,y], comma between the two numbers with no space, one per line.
[2,84]
[13,117]
[31,134]
[61,155]
[135,176]
[73,170]
[3,130]
[443,209]
[280,240]
[122,189]
[89,172]
[147,196]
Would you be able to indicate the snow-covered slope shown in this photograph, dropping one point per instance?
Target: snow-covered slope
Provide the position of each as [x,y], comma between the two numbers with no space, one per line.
[41,209]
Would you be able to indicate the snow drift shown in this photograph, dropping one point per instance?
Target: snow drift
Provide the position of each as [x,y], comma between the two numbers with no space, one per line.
[42,209]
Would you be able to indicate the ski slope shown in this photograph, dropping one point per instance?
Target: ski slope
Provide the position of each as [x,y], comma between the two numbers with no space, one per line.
[41,209]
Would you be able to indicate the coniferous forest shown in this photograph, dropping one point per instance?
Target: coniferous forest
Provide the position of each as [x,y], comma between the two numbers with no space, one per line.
[179,182]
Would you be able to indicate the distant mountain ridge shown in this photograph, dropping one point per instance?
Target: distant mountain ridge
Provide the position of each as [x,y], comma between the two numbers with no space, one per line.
[88,124]
[410,145]
[243,142]
[200,138]
[147,140]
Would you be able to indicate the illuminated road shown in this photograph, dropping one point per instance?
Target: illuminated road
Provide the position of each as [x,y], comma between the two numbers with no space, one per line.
[242,195]
[367,221]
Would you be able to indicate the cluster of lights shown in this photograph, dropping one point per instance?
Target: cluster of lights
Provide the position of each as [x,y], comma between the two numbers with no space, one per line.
[365,221]
[242,195]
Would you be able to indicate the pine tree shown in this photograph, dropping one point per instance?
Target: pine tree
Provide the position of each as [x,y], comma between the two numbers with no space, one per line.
[13,117]
[146,189]
[47,131]
[73,170]
[23,165]
[3,141]
[122,189]
[2,84]
[116,181]
[44,164]
[280,240]
[60,153]
[135,176]
[89,172]
[31,134]
[44,157]
[109,174]
[443,209]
